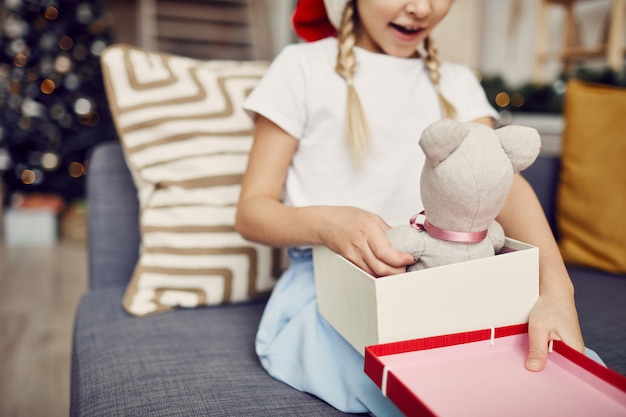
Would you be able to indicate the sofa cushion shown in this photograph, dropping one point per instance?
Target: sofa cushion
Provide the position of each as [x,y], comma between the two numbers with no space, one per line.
[600,298]
[592,195]
[189,362]
[186,141]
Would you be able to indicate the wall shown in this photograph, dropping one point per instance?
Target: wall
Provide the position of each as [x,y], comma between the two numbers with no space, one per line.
[494,37]
[459,36]
[508,40]
[282,34]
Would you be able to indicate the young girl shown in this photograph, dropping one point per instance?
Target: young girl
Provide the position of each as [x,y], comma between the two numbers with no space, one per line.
[336,161]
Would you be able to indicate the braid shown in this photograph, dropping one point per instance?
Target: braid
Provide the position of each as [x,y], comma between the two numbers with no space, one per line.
[432,65]
[357,128]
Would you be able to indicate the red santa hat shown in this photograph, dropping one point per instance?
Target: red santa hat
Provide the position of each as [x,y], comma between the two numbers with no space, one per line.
[317,19]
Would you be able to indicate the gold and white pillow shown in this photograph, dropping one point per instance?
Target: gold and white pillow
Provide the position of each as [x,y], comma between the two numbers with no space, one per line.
[186,140]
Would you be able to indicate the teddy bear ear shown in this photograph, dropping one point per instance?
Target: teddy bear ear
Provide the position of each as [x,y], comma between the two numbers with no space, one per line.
[521,144]
[440,139]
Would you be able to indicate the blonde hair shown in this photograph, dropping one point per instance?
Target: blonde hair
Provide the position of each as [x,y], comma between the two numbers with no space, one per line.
[432,63]
[357,128]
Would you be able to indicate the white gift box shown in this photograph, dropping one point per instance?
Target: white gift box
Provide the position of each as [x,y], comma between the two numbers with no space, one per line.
[483,293]
[30,227]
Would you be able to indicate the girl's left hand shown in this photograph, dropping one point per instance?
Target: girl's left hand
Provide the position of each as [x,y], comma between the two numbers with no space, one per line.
[552,318]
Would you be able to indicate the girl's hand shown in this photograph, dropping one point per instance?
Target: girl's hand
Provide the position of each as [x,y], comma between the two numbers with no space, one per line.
[552,318]
[359,236]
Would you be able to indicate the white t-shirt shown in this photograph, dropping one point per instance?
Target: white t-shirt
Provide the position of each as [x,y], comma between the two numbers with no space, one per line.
[303,95]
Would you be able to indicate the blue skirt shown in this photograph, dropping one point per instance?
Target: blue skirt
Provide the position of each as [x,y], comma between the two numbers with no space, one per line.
[297,346]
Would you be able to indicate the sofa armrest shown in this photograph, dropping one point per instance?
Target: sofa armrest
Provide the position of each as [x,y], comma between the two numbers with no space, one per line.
[112,217]
[543,176]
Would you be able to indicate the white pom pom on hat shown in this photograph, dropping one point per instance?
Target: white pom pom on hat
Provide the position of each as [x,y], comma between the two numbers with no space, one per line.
[317,19]
[334,10]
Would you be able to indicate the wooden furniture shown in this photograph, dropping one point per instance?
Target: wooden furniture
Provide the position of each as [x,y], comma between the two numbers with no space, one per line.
[207,29]
[612,48]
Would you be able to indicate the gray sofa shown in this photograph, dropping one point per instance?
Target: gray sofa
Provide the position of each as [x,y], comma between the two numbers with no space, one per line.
[201,362]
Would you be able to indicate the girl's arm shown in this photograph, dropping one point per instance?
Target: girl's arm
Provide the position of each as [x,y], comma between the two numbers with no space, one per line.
[261,216]
[554,316]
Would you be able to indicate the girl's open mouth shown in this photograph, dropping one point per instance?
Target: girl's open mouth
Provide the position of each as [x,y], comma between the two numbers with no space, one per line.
[406,30]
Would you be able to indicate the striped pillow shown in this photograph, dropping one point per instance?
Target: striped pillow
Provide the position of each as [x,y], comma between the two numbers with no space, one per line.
[186,141]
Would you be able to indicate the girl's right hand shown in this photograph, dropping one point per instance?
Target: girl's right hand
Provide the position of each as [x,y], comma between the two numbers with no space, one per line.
[359,236]
[356,234]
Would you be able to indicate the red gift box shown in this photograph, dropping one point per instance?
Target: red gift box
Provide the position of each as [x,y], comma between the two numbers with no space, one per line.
[481,373]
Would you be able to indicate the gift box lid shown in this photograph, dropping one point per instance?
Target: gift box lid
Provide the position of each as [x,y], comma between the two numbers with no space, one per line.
[482,373]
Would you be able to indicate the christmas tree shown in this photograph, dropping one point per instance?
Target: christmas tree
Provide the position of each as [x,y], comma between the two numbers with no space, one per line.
[53,108]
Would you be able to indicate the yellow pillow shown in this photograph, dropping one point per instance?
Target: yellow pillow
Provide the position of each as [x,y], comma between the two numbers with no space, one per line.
[591,206]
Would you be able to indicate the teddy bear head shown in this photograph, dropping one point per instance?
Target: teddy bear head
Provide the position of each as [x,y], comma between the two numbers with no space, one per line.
[469,171]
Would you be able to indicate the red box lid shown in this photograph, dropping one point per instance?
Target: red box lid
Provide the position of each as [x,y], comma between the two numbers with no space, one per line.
[482,373]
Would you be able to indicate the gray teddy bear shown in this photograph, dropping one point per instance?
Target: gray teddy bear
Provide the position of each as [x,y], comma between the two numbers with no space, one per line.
[465,181]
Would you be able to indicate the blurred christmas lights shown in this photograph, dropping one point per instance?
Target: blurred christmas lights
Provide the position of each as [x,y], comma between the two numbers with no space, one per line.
[51,93]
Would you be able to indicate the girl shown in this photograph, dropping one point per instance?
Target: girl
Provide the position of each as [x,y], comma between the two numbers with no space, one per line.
[335,162]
